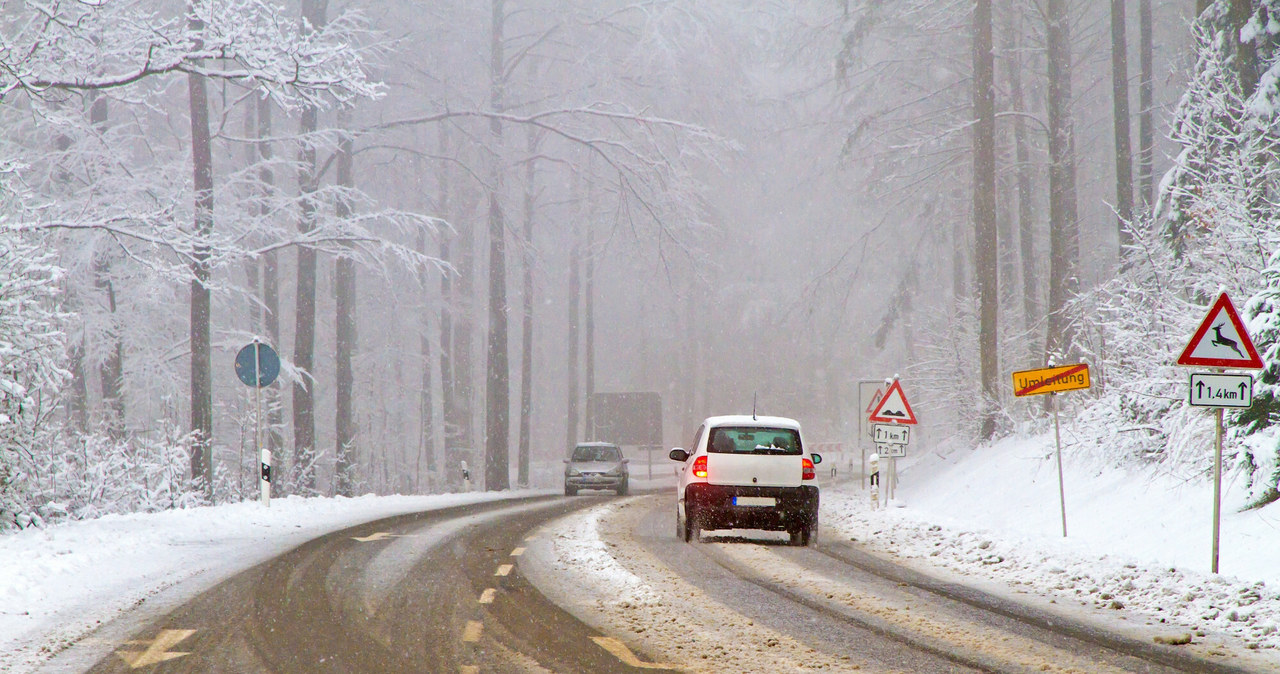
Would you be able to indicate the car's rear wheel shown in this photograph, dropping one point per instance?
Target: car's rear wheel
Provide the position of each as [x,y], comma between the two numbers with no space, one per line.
[690,530]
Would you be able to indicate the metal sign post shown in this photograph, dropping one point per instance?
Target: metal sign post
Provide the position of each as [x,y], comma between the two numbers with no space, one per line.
[1057,441]
[258,365]
[1219,390]
[1052,380]
[1229,347]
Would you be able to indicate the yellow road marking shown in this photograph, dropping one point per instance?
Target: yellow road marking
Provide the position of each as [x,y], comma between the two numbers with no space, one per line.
[470,669]
[486,597]
[620,651]
[473,630]
[503,570]
[517,552]
[381,536]
[531,537]
[157,650]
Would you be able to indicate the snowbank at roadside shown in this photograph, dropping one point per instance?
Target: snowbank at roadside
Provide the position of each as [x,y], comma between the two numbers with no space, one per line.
[1141,543]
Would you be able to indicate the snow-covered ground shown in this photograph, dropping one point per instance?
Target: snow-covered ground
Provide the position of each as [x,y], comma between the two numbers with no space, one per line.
[1141,542]
[1137,542]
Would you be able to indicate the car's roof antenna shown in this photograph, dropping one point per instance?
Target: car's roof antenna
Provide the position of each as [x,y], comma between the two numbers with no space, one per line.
[753,406]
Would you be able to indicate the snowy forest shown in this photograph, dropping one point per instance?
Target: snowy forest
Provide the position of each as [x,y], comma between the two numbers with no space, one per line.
[457,221]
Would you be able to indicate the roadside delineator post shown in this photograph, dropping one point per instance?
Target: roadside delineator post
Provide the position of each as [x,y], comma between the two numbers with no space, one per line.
[1052,380]
[873,463]
[264,478]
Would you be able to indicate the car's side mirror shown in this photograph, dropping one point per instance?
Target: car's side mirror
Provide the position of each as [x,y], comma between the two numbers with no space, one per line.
[817,458]
[626,460]
[566,461]
[678,454]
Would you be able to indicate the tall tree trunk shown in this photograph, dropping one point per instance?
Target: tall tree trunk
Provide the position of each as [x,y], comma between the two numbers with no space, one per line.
[1241,13]
[1120,123]
[526,333]
[344,291]
[201,359]
[959,266]
[111,371]
[448,385]
[426,402]
[304,336]
[1146,101]
[252,266]
[589,339]
[270,277]
[1026,205]
[497,378]
[1064,229]
[984,213]
[575,300]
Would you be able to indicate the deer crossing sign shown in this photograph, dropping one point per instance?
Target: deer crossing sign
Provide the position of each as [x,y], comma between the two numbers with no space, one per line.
[1221,340]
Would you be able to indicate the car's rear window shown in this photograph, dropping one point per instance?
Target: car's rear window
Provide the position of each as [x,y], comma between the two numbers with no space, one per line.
[595,454]
[753,440]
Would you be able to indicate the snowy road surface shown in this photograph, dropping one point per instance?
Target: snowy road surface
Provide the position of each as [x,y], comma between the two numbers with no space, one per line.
[752,603]
[73,594]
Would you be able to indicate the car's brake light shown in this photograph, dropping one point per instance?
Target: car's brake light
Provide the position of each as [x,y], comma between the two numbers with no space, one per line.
[808,472]
[700,466]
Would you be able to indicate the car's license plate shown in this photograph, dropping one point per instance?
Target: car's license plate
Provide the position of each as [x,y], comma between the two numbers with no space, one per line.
[755,501]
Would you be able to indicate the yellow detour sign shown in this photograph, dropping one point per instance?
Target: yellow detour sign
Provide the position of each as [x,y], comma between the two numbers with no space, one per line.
[1051,379]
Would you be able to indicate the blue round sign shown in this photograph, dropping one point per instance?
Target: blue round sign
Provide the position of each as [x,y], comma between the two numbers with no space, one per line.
[268,365]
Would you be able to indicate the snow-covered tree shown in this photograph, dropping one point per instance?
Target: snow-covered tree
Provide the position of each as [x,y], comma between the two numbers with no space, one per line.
[31,360]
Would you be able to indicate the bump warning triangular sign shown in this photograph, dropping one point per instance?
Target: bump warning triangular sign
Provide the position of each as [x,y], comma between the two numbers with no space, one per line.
[1228,346]
[893,407]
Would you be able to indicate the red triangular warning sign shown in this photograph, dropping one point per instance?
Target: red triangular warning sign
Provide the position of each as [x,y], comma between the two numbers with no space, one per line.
[893,407]
[875,401]
[1228,346]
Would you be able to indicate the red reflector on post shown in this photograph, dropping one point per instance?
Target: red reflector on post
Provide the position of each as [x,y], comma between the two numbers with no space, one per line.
[700,466]
[809,472]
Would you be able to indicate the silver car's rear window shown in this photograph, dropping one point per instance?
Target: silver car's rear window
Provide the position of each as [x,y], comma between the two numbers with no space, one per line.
[752,440]
[596,454]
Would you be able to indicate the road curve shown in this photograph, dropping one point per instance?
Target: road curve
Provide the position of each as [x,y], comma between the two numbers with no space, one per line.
[430,592]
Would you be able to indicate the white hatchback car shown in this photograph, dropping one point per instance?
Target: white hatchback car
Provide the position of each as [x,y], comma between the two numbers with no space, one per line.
[747,472]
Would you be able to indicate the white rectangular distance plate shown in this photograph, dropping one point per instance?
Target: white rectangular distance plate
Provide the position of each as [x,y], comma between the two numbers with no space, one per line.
[1221,390]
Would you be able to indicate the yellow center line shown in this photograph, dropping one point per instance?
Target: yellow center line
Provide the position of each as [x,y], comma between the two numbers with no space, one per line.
[486,597]
[531,537]
[472,633]
[517,552]
[620,651]
[503,570]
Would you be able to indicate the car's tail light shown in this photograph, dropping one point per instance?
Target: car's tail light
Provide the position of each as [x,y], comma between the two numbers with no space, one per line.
[700,466]
[808,472]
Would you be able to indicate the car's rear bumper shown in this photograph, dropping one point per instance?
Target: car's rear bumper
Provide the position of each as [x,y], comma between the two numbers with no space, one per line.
[714,508]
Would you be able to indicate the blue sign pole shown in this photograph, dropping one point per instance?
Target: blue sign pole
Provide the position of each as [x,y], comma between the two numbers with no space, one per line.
[258,365]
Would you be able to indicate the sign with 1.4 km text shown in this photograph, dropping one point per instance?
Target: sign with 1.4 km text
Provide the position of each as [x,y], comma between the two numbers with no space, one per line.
[1221,390]
[1051,379]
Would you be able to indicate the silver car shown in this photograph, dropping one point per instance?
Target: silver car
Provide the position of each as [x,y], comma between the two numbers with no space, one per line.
[595,465]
